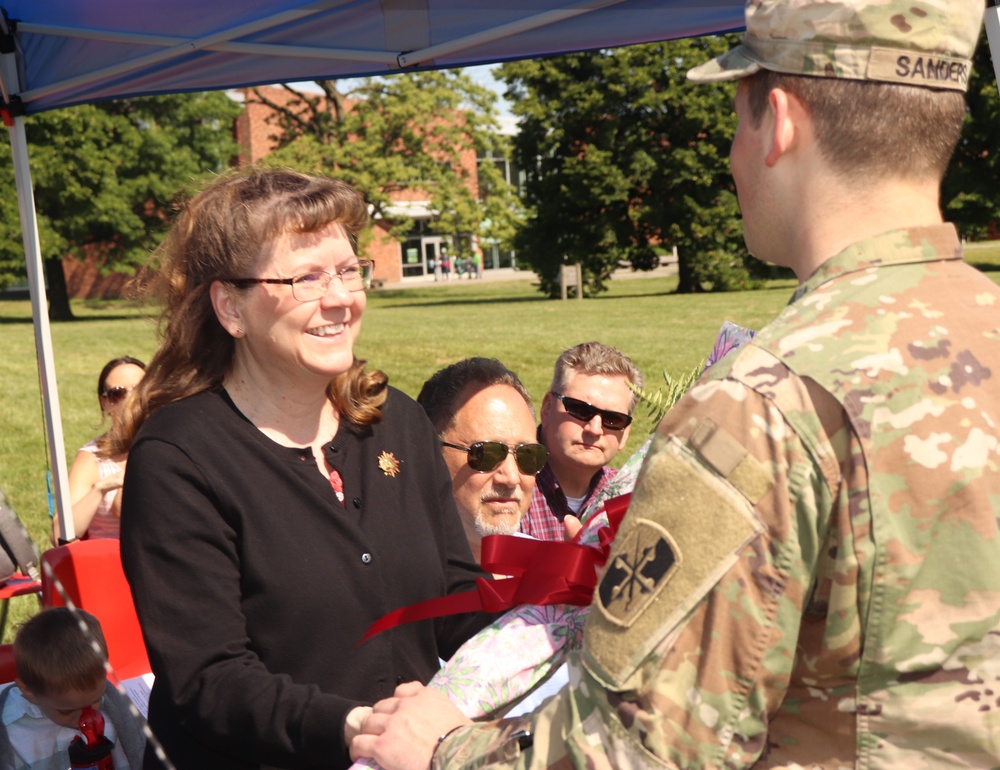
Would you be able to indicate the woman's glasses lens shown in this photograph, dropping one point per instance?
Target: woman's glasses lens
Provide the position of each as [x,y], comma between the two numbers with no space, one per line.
[115,395]
[486,456]
[312,286]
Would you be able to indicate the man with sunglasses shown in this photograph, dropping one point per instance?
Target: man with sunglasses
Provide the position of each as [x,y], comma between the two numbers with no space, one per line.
[585,421]
[486,423]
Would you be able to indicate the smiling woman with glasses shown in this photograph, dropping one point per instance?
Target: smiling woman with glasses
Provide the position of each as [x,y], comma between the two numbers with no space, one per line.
[95,478]
[281,496]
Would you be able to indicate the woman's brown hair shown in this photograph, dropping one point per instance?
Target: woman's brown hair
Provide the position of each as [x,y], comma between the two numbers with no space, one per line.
[221,232]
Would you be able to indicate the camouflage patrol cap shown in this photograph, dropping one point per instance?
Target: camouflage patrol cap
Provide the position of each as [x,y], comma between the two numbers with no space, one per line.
[925,43]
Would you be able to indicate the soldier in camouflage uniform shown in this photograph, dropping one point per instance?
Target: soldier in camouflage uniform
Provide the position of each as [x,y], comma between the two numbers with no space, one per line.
[809,573]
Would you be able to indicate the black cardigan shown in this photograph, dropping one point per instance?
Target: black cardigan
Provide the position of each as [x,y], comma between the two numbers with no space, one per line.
[254,585]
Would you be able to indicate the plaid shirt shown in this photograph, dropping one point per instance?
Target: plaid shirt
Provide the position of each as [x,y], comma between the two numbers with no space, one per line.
[548,503]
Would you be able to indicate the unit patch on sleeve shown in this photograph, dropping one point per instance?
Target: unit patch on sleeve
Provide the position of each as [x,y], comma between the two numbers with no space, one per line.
[641,566]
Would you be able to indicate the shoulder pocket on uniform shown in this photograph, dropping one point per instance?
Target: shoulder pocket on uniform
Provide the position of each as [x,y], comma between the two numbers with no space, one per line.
[685,528]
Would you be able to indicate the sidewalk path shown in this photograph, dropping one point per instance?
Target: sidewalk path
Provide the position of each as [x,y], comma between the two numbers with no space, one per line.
[511,274]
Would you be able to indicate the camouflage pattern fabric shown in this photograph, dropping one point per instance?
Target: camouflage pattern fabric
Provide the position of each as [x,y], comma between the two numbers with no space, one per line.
[927,43]
[809,573]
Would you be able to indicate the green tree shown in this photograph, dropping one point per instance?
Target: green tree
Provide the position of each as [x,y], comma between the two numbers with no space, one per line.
[105,176]
[416,132]
[624,156]
[970,187]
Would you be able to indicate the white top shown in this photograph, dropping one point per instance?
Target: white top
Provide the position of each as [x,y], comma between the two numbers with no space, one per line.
[41,744]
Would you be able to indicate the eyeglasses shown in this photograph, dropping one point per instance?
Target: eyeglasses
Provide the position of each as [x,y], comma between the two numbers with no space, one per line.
[486,456]
[115,395]
[310,286]
[584,412]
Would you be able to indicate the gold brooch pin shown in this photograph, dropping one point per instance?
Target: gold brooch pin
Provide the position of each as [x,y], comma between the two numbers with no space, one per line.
[389,464]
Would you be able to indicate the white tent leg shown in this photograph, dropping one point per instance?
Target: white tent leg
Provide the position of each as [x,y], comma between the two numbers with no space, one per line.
[43,336]
[993,36]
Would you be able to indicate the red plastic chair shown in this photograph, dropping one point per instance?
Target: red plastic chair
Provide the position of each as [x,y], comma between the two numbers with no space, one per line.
[8,672]
[90,572]
[18,585]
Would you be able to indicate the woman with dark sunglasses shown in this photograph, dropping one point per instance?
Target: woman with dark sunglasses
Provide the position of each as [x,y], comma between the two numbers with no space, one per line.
[280,496]
[95,480]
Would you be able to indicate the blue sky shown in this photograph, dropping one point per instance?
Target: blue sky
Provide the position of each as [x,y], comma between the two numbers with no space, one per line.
[483,74]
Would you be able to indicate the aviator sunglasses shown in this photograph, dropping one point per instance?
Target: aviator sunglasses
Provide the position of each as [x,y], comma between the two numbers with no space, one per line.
[485,456]
[581,410]
[116,395]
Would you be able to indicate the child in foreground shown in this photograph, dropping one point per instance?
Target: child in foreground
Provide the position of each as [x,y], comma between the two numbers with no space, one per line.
[60,672]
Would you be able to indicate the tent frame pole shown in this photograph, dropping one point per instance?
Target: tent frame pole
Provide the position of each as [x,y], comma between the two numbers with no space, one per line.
[10,82]
[992,20]
[43,334]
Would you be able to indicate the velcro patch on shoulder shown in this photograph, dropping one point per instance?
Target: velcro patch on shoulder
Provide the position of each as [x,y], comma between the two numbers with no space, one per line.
[685,529]
[731,460]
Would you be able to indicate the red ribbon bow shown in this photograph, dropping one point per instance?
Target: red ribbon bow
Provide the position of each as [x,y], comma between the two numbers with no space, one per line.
[541,572]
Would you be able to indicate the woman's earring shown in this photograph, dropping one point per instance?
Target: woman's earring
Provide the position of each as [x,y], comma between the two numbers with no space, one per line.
[239,332]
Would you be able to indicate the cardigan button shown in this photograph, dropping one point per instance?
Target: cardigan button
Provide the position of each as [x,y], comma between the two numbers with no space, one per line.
[357,502]
[366,558]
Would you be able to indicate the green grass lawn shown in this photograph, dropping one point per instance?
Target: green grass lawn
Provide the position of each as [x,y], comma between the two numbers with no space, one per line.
[407,333]
[985,256]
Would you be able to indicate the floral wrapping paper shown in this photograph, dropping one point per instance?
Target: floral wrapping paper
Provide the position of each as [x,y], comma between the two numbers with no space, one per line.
[508,659]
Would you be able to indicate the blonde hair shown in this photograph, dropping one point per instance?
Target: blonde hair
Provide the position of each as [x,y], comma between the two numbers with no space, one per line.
[223,232]
[596,358]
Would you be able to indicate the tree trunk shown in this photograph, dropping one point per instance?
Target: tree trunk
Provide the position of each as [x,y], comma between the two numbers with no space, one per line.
[685,276]
[59,309]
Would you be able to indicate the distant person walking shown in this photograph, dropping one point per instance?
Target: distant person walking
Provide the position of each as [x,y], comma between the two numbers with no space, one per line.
[477,259]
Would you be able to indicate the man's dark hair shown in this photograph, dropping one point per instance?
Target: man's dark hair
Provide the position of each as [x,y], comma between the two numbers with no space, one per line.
[439,395]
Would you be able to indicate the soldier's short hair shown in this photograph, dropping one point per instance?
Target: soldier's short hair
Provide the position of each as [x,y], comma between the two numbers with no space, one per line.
[871,129]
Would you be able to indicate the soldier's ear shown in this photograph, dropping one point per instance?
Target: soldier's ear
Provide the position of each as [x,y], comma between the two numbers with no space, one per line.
[786,114]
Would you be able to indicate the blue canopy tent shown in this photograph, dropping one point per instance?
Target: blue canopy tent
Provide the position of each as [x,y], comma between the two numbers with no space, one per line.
[57,53]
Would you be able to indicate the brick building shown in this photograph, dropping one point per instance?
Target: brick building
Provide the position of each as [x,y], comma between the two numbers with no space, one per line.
[410,259]
[415,256]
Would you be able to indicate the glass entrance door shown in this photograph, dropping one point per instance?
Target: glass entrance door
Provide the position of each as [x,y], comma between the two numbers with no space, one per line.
[432,255]
[421,257]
